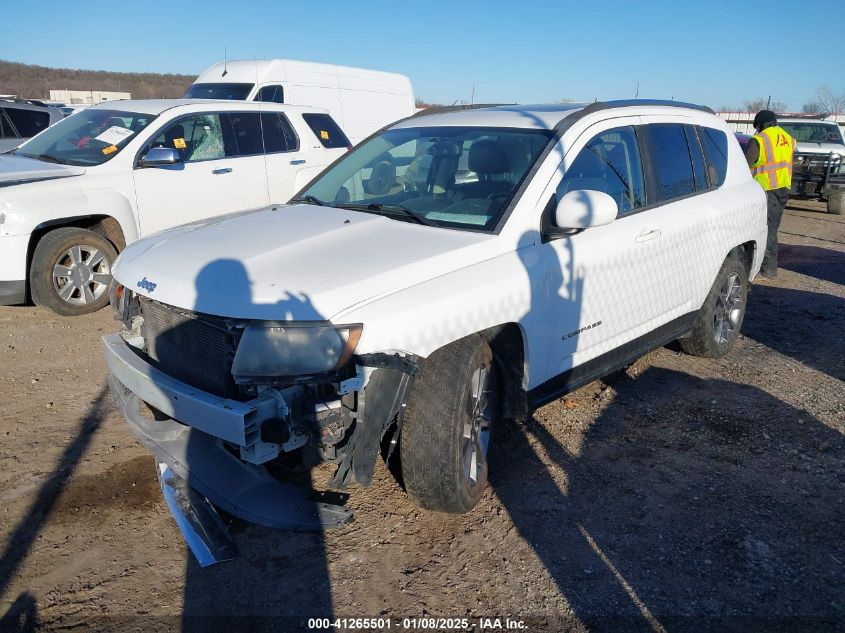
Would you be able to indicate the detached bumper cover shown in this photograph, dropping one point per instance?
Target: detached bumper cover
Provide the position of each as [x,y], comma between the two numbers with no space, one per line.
[196,453]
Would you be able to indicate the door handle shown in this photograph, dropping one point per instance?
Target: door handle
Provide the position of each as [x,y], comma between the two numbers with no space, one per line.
[222,170]
[298,161]
[645,236]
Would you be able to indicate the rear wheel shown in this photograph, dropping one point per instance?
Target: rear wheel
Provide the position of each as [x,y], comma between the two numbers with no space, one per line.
[720,318]
[451,414]
[71,271]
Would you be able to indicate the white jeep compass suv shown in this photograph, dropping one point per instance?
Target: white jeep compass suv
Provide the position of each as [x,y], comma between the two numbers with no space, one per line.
[454,270]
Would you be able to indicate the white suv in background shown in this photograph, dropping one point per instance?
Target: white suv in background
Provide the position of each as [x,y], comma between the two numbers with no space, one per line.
[454,270]
[76,194]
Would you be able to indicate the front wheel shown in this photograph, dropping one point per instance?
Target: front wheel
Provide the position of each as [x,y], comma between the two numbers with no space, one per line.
[71,271]
[451,413]
[836,201]
[719,319]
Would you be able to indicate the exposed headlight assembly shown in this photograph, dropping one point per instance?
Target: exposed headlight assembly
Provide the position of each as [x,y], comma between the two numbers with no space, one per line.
[270,350]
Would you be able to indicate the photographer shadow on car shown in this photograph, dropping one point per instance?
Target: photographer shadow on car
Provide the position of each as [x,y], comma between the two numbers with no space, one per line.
[278,574]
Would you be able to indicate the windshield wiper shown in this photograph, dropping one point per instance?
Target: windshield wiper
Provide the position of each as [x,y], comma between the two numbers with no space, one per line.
[311,200]
[47,158]
[389,209]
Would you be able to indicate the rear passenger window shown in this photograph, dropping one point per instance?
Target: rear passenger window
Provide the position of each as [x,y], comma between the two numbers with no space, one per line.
[670,156]
[271,94]
[28,122]
[715,144]
[246,127]
[325,129]
[609,163]
[278,133]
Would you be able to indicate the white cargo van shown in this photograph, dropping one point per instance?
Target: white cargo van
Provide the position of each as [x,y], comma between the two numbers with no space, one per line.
[362,101]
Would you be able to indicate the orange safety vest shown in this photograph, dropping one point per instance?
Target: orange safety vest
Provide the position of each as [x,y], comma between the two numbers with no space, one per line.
[773,169]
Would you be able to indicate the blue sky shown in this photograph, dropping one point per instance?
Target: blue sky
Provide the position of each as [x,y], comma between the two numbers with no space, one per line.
[714,53]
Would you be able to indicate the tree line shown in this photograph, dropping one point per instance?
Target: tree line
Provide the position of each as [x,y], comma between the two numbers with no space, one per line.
[35,82]
[826,102]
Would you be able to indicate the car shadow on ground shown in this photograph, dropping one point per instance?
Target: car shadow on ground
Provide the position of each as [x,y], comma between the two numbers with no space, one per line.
[690,505]
[806,326]
[821,263]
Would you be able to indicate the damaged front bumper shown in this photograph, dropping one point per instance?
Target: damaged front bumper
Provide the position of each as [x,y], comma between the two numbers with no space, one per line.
[198,448]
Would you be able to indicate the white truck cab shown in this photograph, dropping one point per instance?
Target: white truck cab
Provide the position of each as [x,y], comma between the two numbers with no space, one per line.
[74,195]
[455,270]
[362,101]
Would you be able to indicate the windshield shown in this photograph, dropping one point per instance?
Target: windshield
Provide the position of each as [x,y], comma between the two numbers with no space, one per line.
[228,92]
[813,132]
[90,137]
[459,177]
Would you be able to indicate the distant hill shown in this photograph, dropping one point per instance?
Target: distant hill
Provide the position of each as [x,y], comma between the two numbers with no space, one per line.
[35,82]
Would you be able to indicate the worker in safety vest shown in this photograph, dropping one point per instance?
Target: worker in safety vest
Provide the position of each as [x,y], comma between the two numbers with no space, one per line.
[769,154]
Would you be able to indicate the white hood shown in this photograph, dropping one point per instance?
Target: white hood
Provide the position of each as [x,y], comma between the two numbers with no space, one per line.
[18,169]
[820,148]
[301,262]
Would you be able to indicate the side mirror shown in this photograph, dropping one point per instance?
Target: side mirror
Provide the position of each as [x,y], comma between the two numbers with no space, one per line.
[582,209]
[159,157]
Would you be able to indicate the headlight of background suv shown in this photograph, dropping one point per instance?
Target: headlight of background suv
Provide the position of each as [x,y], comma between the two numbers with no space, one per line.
[268,350]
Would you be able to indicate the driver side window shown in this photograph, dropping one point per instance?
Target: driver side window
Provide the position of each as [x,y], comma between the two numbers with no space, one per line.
[610,163]
[196,138]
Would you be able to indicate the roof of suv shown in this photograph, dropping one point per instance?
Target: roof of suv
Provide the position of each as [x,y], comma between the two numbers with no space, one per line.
[157,106]
[543,116]
[30,105]
[799,119]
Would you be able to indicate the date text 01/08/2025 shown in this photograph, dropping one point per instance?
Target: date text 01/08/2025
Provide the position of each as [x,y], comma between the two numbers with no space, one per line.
[417,624]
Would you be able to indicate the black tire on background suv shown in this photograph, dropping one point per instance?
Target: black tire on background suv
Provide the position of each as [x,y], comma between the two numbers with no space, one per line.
[836,201]
[71,271]
[720,318]
[452,410]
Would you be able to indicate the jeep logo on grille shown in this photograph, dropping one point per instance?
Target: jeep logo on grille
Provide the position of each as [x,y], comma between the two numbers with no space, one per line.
[147,285]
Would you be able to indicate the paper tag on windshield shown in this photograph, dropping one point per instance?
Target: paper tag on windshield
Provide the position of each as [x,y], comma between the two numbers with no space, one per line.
[114,135]
[179,143]
[109,149]
[324,135]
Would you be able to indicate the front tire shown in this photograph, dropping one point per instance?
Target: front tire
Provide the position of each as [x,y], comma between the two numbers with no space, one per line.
[836,201]
[71,271]
[451,413]
[720,318]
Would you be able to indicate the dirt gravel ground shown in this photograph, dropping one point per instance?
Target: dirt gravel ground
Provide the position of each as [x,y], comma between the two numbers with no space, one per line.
[682,494]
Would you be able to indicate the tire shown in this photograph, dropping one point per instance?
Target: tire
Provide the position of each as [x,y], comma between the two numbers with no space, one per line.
[720,318]
[836,201]
[86,259]
[443,444]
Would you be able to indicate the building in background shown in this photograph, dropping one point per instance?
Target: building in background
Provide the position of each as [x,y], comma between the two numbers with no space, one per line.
[86,97]
[743,122]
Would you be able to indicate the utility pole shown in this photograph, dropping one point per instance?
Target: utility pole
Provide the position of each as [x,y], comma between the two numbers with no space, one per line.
[768,102]
[637,93]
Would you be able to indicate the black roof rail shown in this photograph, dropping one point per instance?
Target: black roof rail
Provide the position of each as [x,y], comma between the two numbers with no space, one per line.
[624,103]
[457,108]
[567,121]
